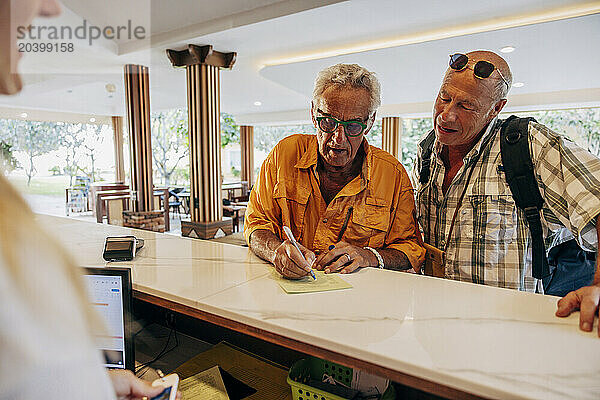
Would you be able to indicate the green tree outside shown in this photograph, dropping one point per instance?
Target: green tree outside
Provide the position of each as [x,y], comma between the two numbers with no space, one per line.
[35,138]
[230,132]
[582,125]
[170,142]
[8,162]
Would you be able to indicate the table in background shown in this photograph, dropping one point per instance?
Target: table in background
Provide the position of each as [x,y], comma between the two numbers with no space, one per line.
[231,187]
[185,201]
[234,211]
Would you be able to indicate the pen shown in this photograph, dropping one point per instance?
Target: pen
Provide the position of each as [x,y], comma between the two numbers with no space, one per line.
[345,224]
[292,239]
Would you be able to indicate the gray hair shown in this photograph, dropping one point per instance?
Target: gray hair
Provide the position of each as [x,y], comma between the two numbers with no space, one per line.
[503,88]
[352,75]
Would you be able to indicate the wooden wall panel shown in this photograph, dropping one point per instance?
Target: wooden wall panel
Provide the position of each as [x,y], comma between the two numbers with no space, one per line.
[391,132]
[117,124]
[247,145]
[137,96]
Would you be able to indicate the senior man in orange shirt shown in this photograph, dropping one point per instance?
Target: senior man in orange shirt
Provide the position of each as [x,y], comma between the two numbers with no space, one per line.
[348,204]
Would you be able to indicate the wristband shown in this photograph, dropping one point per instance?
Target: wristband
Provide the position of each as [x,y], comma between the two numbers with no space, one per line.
[380,264]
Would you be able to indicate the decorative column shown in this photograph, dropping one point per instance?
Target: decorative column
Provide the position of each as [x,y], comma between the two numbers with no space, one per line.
[137,102]
[203,97]
[117,123]
[391,132]
[247,147]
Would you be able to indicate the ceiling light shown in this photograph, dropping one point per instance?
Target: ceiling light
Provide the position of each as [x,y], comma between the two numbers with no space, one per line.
[518,84]
[92,119]
[257,103]
[492,24]
[23,115]
[507,49]
[110,87]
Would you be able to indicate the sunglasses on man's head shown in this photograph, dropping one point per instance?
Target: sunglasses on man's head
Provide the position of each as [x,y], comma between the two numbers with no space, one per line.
[329,124]
[481,69]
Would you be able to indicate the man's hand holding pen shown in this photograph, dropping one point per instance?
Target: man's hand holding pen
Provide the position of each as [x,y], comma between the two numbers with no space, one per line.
[290,263]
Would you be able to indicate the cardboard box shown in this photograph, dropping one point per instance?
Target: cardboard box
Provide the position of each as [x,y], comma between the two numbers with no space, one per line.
[267,377]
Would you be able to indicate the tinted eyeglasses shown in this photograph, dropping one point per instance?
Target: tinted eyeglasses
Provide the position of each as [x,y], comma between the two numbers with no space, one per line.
[481,69]
[329,124]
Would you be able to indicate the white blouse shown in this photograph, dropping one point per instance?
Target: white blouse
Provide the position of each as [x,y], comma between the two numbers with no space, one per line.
[46,350]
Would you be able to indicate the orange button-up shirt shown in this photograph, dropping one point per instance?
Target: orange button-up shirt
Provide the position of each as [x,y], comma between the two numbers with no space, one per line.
[378,204]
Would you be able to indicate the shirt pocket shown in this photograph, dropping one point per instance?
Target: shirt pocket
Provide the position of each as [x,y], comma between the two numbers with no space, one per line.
[494,218]
[292,200]
[370,223]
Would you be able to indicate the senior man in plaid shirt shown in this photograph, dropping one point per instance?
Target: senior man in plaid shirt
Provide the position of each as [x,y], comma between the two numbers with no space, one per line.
[488,243]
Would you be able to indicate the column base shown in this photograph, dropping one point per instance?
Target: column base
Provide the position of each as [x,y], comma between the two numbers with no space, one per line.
[206,230]
[148,220]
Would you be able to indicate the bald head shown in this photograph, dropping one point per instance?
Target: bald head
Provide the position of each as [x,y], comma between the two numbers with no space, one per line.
[466,104]
[500,89]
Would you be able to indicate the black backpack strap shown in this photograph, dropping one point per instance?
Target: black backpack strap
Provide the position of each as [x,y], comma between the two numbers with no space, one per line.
[425,164]
[518,168]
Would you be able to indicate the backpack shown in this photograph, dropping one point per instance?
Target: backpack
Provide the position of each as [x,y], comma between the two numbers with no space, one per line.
[573,266]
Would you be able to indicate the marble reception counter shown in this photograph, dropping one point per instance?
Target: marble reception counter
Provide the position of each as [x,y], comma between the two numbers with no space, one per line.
[455,339]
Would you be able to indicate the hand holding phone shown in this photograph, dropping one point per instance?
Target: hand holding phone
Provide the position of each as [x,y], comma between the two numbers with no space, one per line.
[127,386]
[170,383]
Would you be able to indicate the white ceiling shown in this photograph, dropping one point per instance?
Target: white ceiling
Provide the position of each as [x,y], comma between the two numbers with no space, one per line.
[557,60]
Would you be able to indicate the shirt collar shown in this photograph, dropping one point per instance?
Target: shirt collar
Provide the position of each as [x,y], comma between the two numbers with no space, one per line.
[489,131]
[309,158]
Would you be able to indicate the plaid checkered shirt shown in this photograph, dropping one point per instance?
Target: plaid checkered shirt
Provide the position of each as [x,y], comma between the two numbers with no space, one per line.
[490,243]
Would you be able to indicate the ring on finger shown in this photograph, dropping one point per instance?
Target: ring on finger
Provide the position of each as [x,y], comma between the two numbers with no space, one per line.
[348,255]
[282,270]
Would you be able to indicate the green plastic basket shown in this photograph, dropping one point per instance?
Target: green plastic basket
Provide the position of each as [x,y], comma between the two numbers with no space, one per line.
[305,370]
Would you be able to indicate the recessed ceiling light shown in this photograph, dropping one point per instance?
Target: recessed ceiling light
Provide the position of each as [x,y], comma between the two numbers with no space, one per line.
[507,49]
[518,84]
[257,103]
[460,30]
[92,119]
[23,115]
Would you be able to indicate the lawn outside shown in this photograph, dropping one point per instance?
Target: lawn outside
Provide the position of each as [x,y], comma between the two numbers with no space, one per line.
[41,185]
[45,194]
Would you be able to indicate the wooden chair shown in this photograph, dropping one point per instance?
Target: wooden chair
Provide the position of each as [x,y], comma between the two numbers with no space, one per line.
[115,205]
[99,202]
[175,201]
[161,202]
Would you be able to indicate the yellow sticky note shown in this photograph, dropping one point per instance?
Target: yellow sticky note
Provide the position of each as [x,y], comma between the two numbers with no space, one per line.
[206,385]
[324,283]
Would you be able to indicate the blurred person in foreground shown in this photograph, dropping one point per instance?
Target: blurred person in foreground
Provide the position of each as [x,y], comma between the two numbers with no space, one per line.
[47,326]
[349,204]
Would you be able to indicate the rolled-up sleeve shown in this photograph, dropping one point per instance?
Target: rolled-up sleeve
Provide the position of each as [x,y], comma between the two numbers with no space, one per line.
[263,212]
[569,178]
[404,234]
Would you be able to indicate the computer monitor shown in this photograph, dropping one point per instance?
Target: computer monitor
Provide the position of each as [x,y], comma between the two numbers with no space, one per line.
[111,295]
